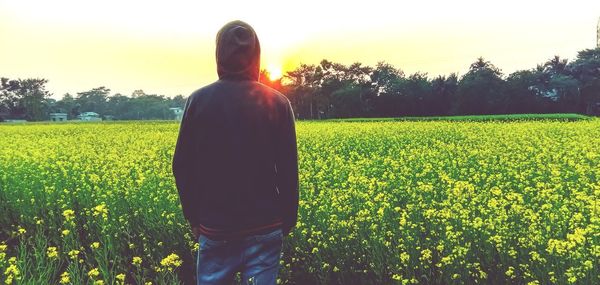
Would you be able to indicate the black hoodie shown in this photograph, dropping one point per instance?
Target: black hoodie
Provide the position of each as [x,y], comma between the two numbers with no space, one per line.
[235,163]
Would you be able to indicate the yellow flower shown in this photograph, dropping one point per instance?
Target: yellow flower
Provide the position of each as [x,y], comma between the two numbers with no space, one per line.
[52,252]
[93,273]
[65,278]
[65,232]
[171,262]
[12,272]
[120,277]
[404,257]
[510,272]
[101,210]
[426,256]
[137,261]
[68,214]
[73,254]
[21,231]
[95,245]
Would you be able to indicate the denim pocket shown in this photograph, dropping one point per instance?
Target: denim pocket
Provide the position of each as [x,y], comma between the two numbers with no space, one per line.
[205,243]
[269,247]
[276,234]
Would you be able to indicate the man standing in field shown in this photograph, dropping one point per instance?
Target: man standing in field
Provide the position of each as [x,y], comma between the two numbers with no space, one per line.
[236,166]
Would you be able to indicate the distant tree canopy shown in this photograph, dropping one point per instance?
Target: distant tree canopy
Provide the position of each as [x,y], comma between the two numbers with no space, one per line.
[138,106]
[25,99]
[28,100]
[334,90]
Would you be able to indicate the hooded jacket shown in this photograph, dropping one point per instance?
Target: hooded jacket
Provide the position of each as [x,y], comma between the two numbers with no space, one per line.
[235,162]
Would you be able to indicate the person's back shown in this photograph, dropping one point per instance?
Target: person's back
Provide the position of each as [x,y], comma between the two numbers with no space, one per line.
[235,164]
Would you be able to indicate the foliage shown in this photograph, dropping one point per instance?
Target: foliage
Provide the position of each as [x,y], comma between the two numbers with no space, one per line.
[381,203]
[329,90]
[25,99]
[334,90]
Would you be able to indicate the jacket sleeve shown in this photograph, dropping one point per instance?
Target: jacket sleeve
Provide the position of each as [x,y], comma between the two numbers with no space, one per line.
[183,165]
[286,163]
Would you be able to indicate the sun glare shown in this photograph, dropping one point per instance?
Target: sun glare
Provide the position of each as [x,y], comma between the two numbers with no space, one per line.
[274,72]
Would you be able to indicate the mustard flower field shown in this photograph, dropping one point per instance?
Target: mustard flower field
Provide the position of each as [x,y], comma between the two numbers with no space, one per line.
[390,202]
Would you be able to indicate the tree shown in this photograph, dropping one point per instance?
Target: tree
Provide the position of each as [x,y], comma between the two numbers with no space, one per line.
[352,97]
[265,78]
[418,95]
[348,102]
[521,92]
[386,83]
[332,89]
[177,101]
[94,100]
[566,89]
[303,88]
[9,98]
[481,90]
[25,98]
[556,65]
[68,105]
[443,92]
[119,106]
[586,69]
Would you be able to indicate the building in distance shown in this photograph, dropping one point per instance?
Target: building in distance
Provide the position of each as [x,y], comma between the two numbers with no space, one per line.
[58,117]
[178,111]
[89,116]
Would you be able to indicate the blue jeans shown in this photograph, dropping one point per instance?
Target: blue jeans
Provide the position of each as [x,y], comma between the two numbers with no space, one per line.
[256,257]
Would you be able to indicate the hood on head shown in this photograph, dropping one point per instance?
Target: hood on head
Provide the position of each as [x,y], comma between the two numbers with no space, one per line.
[238,52]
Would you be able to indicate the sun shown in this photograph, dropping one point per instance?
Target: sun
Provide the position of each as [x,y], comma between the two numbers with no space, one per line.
[274,72]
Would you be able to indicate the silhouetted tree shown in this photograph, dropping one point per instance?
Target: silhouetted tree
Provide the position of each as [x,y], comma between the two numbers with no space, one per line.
[25,98]
[94,100]
[481,90]
[586,69]
[334,90]
[386,82]
[444,93]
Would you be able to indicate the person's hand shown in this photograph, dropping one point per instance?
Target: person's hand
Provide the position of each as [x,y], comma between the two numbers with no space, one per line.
[196,232]
[286,231]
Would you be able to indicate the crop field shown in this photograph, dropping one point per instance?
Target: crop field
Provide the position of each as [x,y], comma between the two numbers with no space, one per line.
[389,202]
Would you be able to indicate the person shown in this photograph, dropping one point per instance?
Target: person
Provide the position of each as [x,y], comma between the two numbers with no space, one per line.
[236,166]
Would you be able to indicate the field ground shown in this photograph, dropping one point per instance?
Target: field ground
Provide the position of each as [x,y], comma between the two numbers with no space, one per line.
[478,118]
[382,202]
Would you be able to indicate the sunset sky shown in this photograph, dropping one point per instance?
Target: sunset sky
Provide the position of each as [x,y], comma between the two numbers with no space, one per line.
[167,47]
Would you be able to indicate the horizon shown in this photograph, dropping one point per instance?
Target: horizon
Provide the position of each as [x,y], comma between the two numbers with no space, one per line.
[168,49]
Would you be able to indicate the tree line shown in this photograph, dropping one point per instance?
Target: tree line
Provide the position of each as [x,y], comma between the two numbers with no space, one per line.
[28,99]
[334,90]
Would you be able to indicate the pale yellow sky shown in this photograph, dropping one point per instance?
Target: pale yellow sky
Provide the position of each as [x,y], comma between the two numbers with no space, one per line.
[167,47]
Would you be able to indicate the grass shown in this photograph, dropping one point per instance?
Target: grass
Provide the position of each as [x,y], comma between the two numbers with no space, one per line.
[477,118]
[381,202]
